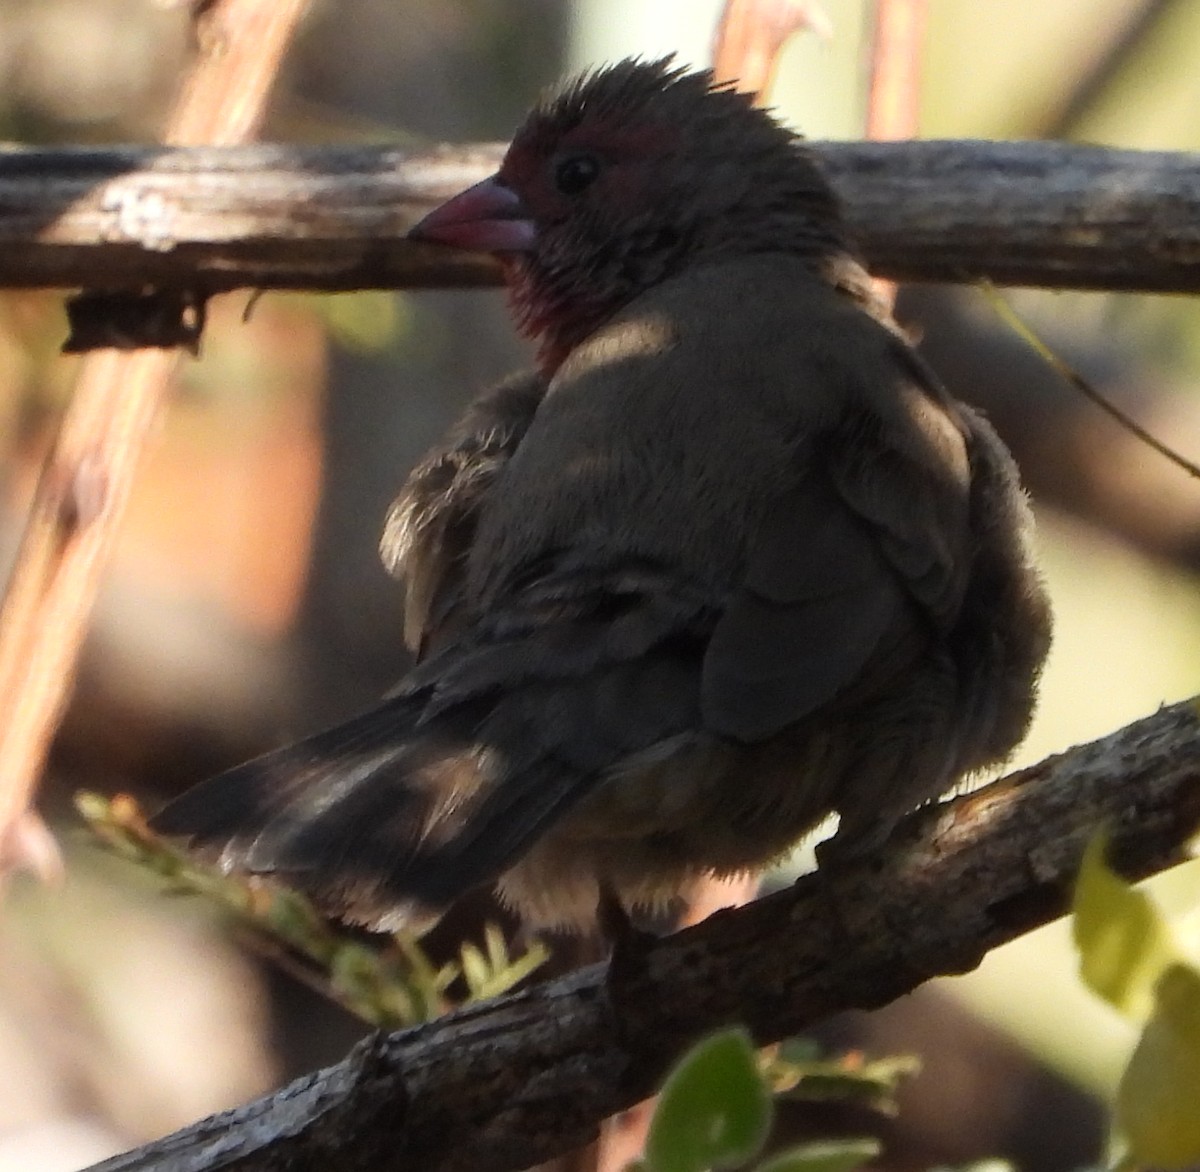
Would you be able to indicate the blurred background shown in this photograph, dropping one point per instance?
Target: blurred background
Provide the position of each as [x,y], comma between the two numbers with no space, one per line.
[246,603]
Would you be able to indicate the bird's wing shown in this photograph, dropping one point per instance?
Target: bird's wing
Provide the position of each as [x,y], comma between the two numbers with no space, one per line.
[857,562]
[431,524]
[446,783]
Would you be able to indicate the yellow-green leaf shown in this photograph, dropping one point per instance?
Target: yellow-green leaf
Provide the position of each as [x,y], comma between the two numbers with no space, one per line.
[1124,943]
[474,966]
[1158,1101]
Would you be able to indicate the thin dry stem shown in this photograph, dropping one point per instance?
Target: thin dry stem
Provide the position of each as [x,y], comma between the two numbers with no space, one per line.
[894,97]
[87,477]
[894,94]
[751,35]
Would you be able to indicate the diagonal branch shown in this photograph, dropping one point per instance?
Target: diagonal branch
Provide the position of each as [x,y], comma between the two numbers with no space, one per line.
[1020,213]
[518,1080]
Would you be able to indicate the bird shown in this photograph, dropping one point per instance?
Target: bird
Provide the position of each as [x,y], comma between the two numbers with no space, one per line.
[726,561]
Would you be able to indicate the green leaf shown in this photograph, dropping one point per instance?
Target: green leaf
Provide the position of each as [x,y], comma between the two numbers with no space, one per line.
[474,967]
[1124,943]
[835,1155]
[497,947]
[1158,1100]
[714,1111]
[514,971]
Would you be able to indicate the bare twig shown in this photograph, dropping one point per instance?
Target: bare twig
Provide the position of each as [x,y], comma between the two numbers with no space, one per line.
[1142,21]
[751,35]
[86,479]
[894,92]
[521,1079]
[1084,386]
[1057,215]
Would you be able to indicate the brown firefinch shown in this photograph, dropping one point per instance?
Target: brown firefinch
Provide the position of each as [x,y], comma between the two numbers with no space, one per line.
[729,560]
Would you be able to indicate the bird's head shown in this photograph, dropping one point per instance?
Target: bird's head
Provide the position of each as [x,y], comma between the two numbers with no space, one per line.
[622,177]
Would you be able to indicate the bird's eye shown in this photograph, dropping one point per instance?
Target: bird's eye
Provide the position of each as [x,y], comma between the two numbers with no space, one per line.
[575,172]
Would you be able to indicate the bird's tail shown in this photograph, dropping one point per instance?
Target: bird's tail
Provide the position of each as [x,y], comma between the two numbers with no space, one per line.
[384,819]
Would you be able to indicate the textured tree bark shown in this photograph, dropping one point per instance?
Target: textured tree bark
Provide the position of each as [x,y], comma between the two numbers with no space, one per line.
[526,1077]
[333,218]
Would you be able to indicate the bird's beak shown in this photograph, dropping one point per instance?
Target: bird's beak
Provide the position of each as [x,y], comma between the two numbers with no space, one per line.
[488,217]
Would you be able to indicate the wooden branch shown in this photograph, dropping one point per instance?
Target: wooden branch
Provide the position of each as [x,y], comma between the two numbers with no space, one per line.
[1021,213]
[521,1079]
[87,477]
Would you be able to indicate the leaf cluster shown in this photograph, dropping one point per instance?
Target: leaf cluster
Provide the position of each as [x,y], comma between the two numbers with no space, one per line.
[387,980]
[716,1108]
[1130,957]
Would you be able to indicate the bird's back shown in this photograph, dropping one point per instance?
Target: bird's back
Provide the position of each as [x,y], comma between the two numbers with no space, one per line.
[698,403]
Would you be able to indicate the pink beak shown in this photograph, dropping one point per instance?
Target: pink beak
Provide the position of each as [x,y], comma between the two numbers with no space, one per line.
[488,217]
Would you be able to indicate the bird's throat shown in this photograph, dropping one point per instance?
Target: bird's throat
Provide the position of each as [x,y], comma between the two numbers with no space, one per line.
[557,320]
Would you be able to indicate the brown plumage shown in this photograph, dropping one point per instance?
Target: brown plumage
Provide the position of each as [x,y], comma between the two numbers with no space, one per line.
[729,560]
